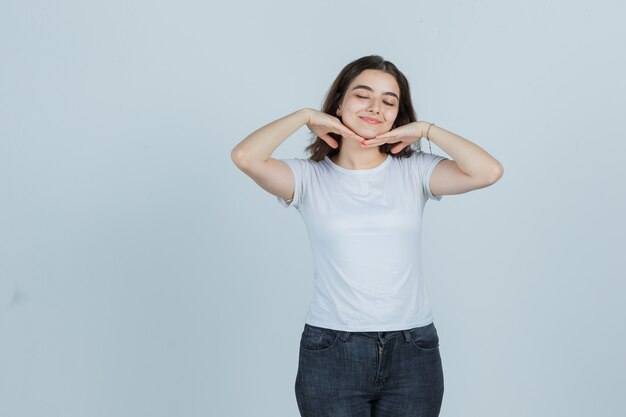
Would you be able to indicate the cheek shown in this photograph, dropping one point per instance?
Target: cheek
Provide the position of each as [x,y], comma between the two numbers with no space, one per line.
[391,116]
[354,106]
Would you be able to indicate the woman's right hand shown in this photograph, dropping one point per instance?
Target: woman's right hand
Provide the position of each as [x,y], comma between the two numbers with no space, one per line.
[322,124]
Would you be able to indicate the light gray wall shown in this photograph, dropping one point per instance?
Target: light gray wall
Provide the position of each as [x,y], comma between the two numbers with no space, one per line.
[142,274]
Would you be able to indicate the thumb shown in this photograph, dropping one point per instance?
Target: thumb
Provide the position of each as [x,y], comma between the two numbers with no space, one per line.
[398,147]
[330,140]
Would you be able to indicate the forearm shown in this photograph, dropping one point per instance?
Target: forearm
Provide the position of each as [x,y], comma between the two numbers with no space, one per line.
[259,145]
[471,158]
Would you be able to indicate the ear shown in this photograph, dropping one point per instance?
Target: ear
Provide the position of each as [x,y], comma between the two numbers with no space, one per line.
[338,112]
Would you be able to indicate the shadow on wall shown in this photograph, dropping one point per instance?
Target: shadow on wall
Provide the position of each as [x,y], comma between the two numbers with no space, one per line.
[10,296]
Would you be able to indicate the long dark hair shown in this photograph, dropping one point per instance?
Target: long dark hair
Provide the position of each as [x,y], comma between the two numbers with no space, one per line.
[318,149]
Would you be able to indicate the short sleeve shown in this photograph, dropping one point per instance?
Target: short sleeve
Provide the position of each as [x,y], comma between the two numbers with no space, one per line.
[426,163]
[297,166]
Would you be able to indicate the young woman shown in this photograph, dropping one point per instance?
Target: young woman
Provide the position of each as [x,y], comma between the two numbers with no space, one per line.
[369,344]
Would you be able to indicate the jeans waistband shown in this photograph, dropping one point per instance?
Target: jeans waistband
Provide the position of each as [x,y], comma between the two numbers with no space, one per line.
[382,336]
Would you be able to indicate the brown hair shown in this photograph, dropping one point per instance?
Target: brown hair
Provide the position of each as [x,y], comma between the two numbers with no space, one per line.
[406,114]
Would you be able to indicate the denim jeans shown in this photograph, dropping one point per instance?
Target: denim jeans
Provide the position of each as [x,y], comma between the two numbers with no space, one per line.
[369,374]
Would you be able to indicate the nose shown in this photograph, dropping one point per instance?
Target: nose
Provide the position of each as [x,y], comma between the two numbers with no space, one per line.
[374,107]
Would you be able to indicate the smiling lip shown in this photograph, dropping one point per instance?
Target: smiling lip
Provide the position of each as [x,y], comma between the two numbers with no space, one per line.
[370,120]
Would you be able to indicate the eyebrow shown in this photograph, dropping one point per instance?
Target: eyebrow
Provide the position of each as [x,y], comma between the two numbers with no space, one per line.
[388,93]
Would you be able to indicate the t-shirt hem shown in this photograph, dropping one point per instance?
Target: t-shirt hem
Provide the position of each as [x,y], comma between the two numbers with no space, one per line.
[381,328]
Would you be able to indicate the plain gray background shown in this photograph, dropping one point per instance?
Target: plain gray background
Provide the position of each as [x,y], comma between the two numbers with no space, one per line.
[143,274]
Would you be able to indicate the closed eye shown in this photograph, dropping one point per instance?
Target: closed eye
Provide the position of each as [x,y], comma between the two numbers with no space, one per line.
[389,104]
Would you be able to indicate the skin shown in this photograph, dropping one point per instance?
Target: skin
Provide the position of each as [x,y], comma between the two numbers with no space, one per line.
[358,103]
[469,168]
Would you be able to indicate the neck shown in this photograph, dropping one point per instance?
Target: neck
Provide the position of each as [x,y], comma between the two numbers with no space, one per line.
[352,156]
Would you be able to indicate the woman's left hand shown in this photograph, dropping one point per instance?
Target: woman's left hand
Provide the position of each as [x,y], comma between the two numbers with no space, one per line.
[406,135]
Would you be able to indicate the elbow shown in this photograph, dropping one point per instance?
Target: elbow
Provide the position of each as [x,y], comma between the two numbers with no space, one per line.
[237,156]
[244,159]
[234,153]
[496,173]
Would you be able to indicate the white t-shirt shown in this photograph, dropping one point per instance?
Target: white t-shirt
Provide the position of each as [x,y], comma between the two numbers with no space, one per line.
[364,227]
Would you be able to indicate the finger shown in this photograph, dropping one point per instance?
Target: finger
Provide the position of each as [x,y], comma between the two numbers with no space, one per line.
[398,147]
[353,135]
[330,140]
[385,135]
[374,142]
[344,131]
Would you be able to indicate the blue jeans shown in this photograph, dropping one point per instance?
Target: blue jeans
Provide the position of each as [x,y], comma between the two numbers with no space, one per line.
[369,374]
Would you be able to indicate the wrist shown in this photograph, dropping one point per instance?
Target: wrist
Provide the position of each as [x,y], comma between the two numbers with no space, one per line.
[424,128]
[305,114]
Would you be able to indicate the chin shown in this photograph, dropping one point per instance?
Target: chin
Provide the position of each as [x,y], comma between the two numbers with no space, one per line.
[367,134]
[364,132]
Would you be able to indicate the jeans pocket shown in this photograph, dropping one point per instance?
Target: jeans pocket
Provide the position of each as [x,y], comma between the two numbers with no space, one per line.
[318,339]
[425,338]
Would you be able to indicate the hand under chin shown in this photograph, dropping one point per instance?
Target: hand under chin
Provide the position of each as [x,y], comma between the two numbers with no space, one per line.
[364,133]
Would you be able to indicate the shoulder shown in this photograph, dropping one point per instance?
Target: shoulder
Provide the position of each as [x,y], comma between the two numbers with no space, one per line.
[304,166]
[426,159]
[415,159]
